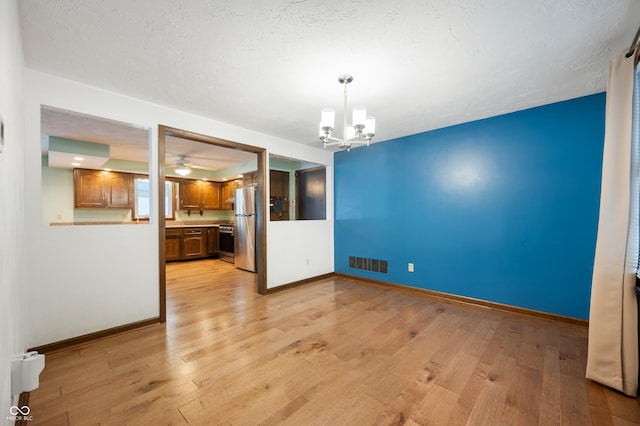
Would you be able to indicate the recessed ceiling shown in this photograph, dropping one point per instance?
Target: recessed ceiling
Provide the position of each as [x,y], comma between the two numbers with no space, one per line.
[271,66]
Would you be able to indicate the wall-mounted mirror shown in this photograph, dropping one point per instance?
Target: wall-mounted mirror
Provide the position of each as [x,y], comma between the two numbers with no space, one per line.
[94,170]
[297,189]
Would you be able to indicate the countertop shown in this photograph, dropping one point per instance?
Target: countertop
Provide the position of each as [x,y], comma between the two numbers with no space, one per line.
[195,224]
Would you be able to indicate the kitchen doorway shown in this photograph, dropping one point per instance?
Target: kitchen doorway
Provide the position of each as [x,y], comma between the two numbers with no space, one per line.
[165,133]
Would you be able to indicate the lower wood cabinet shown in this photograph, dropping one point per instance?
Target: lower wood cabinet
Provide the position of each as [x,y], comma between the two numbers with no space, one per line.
[194,243]
[173,244]
[190,243]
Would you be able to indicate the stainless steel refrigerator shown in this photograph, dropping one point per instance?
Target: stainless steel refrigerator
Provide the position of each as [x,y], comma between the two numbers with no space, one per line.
[245,232]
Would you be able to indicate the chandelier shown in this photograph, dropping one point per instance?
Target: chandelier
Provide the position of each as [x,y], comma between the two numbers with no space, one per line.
[360,132]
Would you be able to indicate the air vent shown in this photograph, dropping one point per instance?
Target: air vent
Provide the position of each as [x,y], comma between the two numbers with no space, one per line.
[366,264]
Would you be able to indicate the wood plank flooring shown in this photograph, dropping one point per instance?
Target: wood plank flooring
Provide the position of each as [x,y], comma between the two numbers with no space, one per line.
[333,352]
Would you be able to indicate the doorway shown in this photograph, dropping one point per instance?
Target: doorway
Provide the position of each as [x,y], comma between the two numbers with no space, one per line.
[165,132]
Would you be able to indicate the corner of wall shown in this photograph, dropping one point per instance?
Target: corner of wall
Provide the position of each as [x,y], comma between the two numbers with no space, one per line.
[12,231]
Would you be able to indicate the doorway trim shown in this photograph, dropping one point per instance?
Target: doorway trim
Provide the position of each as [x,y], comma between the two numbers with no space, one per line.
[261,222]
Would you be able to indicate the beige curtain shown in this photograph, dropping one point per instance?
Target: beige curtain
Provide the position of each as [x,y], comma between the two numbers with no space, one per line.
[613,327]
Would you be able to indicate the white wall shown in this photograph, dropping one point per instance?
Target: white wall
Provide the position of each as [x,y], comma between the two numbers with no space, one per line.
[88,278]
[12,258]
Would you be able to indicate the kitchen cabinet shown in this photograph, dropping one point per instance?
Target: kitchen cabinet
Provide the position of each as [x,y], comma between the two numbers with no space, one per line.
[173,244]
[228,192]
[211,194]
[213,245]
[250,179]
[191,243]
[199,195]
[190,194]
[279,195]
[194,243]
[102,189]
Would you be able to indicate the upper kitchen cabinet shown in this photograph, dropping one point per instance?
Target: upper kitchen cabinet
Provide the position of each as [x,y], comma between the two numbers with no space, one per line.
[199,195]
[228,193]
[102,189]
[250,179]
[119,190]
[88,188]
[211,195]
[190,194]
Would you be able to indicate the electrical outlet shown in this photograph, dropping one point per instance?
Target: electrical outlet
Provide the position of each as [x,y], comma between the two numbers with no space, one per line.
[410,267]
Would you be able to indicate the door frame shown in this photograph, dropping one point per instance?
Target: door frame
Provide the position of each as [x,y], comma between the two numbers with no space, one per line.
[261,218]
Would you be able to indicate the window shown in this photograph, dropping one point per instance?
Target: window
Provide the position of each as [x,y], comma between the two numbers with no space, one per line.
[142,208]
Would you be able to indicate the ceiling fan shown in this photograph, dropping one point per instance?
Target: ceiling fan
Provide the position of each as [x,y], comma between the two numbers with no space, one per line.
[182,166]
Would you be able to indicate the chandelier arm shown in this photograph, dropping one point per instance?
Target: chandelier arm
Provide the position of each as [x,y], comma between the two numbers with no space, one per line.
[333,140]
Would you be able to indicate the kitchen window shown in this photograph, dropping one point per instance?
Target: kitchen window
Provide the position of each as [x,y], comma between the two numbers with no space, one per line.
[142,196]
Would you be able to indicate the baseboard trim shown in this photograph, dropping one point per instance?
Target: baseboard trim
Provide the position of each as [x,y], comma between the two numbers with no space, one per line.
[476,302]
[299,283]
[64,344]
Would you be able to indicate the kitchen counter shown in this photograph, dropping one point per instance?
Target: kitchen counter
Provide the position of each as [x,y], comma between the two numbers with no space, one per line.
[194,224]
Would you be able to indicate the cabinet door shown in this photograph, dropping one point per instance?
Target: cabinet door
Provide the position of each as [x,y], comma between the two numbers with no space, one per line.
[88,186]
[119,190]
[250,179]
[212,241]
[226,194]
[279,193]
[190,194]
[173,242]
[194,243]
[210,195]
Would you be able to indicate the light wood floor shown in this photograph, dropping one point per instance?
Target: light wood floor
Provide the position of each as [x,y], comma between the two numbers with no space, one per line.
[333,352]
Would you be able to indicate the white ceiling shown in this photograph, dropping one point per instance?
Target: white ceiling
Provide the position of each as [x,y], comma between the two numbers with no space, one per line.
[272,65]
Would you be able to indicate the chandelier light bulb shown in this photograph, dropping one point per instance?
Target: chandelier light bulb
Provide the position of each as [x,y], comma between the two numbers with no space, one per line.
[351,133]
[359,116]
[370,126]
[327,118]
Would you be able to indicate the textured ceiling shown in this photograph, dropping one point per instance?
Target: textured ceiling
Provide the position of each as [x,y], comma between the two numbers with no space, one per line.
[272,65]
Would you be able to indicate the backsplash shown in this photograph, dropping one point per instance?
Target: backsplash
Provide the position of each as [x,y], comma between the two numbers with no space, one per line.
[207,215]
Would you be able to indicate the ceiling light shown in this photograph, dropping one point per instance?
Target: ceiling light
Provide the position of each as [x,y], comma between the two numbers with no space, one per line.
[78,158]
[181,168]
[360,132]
[75,164]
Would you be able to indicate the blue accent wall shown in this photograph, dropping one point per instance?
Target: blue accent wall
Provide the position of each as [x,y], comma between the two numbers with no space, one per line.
[503,209]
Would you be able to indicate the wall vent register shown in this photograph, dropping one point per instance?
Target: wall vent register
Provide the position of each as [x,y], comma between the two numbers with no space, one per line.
[366,264]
